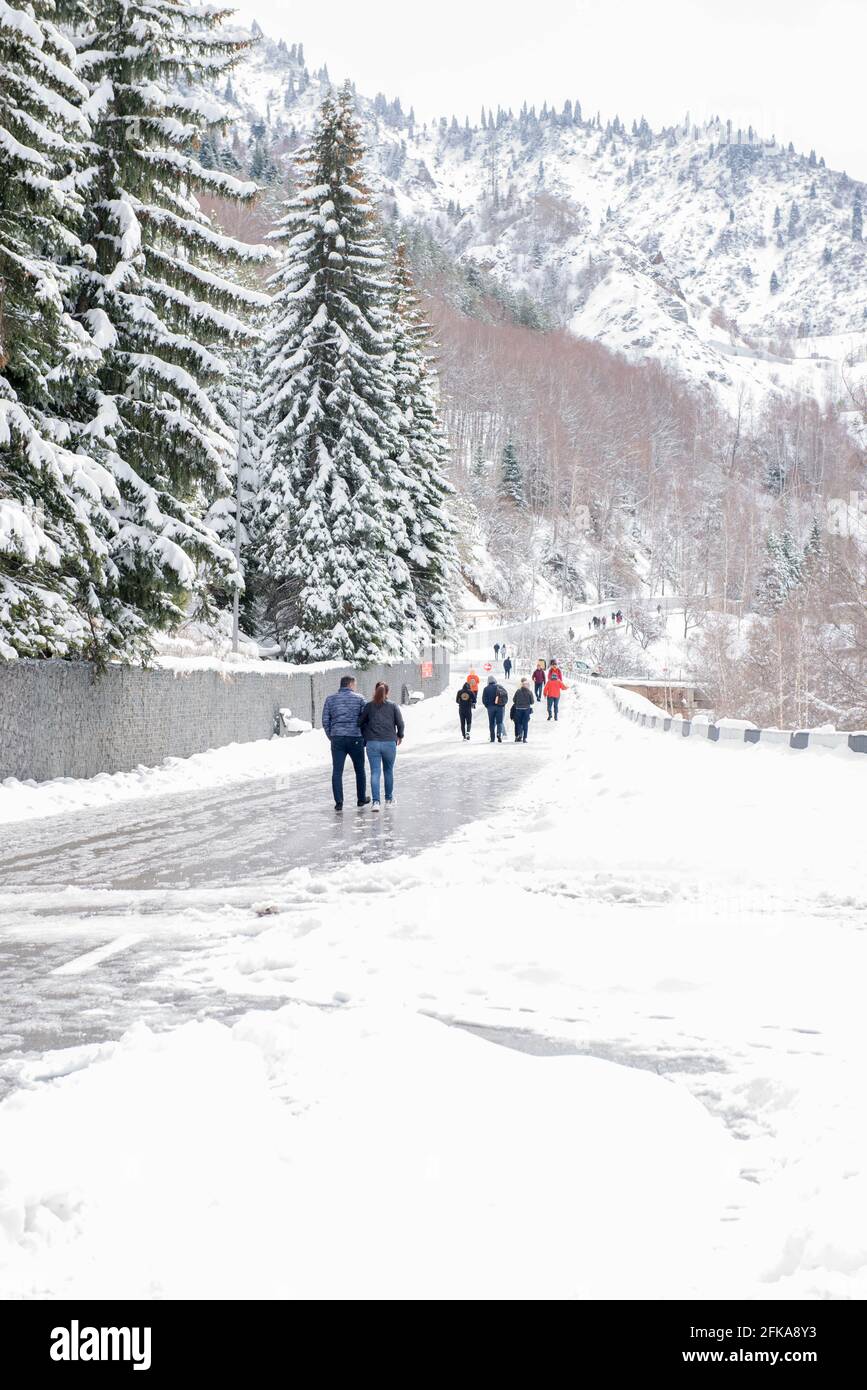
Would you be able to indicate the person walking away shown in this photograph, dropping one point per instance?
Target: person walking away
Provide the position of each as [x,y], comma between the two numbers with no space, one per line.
[507,667]
[473,683]
[381,725]
[340,720]
[522,708]
[496,650]
[603,621]
[539,679]
[465,702]
[495,699]
[503,651]
[553,690]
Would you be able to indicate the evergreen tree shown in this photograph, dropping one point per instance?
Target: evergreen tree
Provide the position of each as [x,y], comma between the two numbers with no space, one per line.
[331,517]
[57,505]
[163,293]
[857,222]
[511,475]
[775,284]
[794,220]
[429,550]
[782,570]
[813,551]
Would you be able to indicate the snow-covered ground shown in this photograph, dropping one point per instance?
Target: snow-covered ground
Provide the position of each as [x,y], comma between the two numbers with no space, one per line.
[665,939]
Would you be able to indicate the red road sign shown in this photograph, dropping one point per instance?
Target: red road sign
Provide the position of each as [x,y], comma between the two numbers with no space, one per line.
[487,666]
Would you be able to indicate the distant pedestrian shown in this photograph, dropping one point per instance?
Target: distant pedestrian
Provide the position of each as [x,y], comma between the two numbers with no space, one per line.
[553,690]
[340,720]
[496,650]
[381,726]
[507,667]
[619,616]
[503,651]
[495,698]
[522,708]
[539,679]
[465,701]
[473,683]
[603,622]
[571,634]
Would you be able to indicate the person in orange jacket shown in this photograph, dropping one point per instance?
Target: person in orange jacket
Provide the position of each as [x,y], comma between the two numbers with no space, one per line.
[553,690]
[473,683]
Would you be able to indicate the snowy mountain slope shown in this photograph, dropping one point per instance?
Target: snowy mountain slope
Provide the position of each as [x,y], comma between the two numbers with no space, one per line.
[660,245]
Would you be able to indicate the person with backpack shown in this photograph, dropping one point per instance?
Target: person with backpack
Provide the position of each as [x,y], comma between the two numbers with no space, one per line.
[554,672]
[553,690]
[381,725]
[522,708]
[539,680]
[465,701]
[495,698]
[473,683]
[507,667]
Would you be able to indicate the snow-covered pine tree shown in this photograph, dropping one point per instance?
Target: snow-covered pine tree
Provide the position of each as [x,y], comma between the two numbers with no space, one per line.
[511,475]
[431,554]
[338,587]
[55,503]
[163,294]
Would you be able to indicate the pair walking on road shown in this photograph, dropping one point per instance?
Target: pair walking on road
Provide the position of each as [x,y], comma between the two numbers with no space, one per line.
[353,725]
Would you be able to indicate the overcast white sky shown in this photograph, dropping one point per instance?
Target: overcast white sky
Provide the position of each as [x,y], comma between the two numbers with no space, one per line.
[790,68]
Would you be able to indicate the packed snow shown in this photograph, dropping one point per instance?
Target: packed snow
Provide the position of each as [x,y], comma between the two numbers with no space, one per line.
[669,950]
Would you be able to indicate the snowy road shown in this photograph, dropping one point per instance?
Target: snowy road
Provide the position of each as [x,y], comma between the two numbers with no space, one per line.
[675,924]
[252,834]
[132,860]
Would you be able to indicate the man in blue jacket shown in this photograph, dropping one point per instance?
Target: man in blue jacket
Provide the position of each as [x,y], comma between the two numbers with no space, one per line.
[340,715]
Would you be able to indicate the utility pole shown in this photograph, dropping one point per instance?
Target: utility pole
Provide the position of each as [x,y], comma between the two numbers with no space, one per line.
[236,598]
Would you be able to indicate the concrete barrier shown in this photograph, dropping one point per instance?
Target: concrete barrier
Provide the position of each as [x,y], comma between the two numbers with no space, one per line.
[796,739]
[62,719]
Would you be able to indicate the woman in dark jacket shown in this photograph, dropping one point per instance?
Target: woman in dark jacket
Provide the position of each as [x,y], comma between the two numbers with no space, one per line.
[381,725]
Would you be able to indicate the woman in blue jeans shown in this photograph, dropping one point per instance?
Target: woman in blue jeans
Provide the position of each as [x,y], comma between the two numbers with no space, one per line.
[381,725]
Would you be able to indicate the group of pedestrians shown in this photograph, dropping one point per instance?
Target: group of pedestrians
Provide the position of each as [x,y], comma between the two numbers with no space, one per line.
[547,682]
[353,725]
[616,620]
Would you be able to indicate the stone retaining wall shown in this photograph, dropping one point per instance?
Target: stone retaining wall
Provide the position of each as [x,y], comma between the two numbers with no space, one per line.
[57,719]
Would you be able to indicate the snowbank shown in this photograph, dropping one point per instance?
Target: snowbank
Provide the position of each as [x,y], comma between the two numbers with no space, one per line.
[366,1153]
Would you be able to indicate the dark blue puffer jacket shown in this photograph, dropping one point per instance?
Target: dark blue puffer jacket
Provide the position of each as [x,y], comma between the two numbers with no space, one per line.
[341,713]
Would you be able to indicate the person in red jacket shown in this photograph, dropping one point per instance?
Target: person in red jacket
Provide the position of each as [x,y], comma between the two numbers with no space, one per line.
[554,672]
[539,679]
[553,690]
